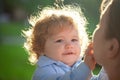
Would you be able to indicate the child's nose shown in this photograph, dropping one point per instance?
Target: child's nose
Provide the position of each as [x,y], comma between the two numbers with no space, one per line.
[69,45]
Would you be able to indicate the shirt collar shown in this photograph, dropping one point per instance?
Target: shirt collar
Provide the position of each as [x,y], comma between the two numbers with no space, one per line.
[44,61]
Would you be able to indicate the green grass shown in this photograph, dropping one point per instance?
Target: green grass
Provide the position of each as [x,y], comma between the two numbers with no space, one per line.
[14,64]
[11,28]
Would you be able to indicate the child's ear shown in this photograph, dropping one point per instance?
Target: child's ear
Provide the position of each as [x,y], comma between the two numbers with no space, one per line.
[113,48]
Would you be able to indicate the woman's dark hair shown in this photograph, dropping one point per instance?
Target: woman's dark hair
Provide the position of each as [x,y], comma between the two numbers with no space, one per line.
[114,20]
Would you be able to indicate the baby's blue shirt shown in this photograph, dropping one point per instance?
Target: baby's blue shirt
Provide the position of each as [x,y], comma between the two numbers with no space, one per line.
[49,69]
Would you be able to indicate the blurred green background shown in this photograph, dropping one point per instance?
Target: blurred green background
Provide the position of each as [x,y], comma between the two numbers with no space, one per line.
[14,64]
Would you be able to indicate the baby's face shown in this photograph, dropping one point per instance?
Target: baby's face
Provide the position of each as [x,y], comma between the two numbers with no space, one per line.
[64,47]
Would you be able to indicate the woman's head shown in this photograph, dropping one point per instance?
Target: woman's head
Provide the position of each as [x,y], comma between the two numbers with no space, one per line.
[106,42]
[51,21]
[106,37]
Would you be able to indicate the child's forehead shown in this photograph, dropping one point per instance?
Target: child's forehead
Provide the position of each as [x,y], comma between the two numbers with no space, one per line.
[64,31]
[65,34]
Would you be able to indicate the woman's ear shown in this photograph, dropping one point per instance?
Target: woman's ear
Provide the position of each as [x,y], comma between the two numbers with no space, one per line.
[113,48]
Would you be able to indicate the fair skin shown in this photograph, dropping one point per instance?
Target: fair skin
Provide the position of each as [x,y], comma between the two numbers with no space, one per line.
[106,51]
[64,47]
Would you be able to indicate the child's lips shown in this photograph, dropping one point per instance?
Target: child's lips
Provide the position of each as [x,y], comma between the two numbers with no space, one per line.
[69,53]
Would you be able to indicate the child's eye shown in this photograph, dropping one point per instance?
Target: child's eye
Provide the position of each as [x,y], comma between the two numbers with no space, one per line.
[60,40]
[73,40]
